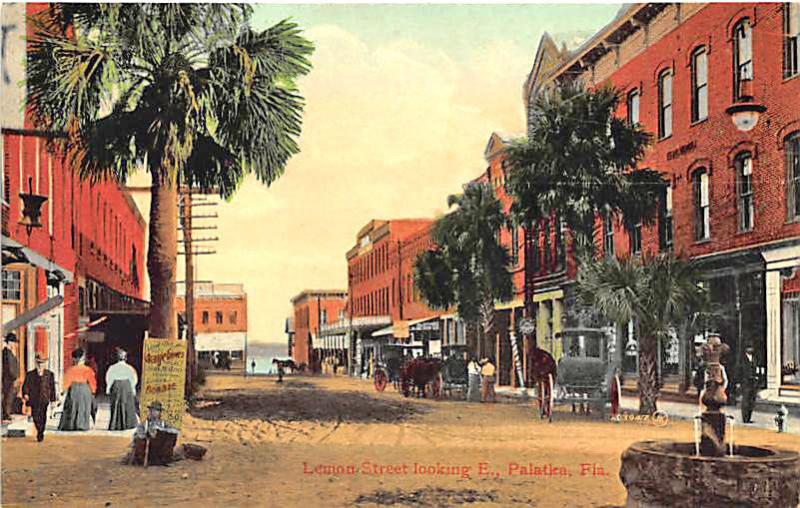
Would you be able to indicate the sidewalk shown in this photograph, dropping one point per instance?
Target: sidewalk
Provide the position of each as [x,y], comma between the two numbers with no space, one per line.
[100,428]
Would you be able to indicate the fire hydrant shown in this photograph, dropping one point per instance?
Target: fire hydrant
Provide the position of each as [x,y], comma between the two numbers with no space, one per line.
[781,418]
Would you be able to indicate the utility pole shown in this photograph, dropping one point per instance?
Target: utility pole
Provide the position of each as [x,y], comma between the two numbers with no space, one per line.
[186,204]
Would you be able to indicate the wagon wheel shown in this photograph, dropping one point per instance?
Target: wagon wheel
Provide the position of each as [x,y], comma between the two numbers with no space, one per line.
[380,380]
[545,396]
[436,386]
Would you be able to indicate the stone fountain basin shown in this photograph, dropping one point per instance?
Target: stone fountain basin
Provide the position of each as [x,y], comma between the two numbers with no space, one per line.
[666,474]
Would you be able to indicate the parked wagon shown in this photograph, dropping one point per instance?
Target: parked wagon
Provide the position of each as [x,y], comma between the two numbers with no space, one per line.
[420,375]
[587,377]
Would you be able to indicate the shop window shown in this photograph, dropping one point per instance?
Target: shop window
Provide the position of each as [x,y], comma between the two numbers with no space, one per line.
[608,236]
[665,104]
[11,285]
[205,317]
[742,56]
[702,212]
[665,223]
[792,149]
[790,350]
[744,190]
[791,45]
[699,85]
[633,106]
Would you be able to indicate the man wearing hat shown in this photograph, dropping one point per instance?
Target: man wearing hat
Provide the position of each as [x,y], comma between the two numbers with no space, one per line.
[10,375]
[153,440]
[121,381]
[39,390]
[748,384]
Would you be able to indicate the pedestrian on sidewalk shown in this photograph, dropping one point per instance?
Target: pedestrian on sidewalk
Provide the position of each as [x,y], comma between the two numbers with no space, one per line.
[80,386]
[39,390]
[10,375]
[253,365]
[748,384]
[121,380]
[487,378]
[473,380]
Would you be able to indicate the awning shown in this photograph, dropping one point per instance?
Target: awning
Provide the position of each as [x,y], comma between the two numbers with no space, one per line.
[383,332]
[430,323]
[220,341]
[15,251]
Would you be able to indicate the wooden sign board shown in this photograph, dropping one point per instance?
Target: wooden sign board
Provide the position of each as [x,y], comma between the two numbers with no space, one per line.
[163,375]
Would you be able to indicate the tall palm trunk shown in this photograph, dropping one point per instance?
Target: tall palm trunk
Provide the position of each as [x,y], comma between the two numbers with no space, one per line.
[648,376]
[162,257]
[487,324]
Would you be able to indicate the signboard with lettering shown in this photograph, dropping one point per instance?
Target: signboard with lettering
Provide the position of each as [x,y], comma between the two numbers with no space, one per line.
[163,375]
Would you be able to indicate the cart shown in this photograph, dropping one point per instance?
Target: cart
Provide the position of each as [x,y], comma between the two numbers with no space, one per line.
[587,377]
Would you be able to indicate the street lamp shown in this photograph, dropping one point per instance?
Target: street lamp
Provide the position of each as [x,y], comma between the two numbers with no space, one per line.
[745,112]
[31,208]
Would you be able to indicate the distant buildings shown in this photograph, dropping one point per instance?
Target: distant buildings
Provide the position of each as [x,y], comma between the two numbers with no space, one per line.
[220,323]
[312,310]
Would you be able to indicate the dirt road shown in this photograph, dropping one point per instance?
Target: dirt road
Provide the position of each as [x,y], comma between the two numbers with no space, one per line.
[335,442]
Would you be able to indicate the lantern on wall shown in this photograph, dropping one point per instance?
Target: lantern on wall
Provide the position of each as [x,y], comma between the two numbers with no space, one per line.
[31,208]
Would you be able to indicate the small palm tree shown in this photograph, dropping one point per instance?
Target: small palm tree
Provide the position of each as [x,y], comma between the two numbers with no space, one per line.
[469,267]
[659,293]
[190,92]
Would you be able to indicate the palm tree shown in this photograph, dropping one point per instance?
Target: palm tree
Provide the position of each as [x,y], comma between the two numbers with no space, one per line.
[190,92]
[659,293]
[469,267]
[578,161]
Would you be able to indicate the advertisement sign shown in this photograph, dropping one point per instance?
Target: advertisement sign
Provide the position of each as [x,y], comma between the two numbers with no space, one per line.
[163,376]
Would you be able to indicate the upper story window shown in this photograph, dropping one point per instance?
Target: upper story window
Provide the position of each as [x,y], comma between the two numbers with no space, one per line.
[665,224]
[792,149]
[742,56]
[702,211]
[233,317]
[699,85]
[608,235]
[205,317]
[323,316]
[633,106]
[791,45]
[514,244]
[218,316]
[11,285]
[665,104]
[744,190]
[635,238]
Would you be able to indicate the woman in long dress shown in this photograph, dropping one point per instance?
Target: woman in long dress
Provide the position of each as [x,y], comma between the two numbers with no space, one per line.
[80,386]
[474,381]
[121,381]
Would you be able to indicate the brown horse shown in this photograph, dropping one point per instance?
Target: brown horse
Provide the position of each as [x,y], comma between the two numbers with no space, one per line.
[417,373]
[541,366]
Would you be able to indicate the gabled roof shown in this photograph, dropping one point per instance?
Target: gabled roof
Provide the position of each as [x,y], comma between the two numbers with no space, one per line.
[498,142]
[548,59]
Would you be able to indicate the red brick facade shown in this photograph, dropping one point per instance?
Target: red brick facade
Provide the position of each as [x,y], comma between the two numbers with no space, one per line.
[311,307]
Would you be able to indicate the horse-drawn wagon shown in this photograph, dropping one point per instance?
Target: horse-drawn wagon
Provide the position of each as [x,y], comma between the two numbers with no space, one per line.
[587,377]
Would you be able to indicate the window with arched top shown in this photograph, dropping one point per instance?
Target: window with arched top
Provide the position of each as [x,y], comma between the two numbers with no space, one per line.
[791,147]
[665,104]
[702,205]
[699,84]
[742,56]
[744,191]
[791,44]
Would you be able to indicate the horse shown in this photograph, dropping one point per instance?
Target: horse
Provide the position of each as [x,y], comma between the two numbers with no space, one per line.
[541,367]
[417,373]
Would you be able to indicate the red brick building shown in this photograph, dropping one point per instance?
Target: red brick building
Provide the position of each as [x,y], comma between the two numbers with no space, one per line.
[88,250]
[688,73]
[220,322]
[314,309]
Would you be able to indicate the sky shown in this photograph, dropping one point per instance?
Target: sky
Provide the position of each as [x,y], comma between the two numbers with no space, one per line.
[400,105]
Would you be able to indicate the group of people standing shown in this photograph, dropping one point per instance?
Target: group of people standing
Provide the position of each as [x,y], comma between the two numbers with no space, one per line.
[480,380]
[79,408]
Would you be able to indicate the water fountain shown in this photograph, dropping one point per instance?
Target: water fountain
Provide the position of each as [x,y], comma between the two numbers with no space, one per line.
[708,472]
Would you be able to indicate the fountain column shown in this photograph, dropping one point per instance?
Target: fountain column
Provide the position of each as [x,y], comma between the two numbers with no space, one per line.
[712,440]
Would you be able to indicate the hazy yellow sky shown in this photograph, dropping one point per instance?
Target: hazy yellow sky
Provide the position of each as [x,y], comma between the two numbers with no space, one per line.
[400,105]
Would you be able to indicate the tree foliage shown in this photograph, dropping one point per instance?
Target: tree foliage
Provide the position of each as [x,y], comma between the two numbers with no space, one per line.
[580,160]
[189,91]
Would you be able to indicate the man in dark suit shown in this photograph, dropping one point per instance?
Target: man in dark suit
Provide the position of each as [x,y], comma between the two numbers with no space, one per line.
[748,381]
[10,375]
[39,390]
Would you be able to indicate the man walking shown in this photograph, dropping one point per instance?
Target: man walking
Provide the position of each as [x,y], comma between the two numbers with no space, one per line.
[748,381]
[487,378]
[10,375]
[39,390]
